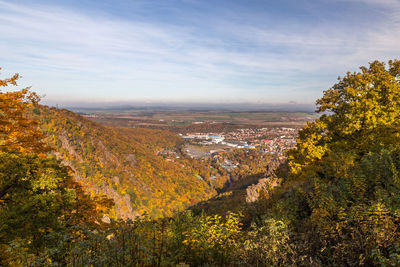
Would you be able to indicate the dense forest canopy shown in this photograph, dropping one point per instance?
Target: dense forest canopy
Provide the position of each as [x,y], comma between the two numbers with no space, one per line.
[338,203]
[142,170]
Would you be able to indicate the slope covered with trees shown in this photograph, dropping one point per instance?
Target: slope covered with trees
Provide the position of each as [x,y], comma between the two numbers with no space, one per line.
[39,200]
[142,170]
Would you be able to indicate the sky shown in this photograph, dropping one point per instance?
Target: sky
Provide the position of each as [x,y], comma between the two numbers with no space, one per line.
[192,51]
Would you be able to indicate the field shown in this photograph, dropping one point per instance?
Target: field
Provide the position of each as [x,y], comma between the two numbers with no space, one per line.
[185,121]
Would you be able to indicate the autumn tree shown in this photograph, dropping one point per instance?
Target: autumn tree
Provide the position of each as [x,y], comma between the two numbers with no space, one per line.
[347,166]
[17,131]
[360,111]
[38,196]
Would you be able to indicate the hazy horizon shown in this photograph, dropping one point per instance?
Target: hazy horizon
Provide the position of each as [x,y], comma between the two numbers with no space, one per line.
[184,106]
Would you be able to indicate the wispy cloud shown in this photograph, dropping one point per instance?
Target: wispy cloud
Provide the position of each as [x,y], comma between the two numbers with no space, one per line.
[81,55]
[384,3]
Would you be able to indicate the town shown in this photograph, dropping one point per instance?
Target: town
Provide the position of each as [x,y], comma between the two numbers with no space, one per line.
[272,140]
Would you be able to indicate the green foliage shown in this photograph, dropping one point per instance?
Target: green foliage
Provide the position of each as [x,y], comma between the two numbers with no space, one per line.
[348,164]
[213,240]
[269,244]
[183,239]
[358,113]
[338,206]
[33,198]
[38,198]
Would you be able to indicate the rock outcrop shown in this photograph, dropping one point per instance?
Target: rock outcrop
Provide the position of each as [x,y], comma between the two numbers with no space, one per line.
[263,188]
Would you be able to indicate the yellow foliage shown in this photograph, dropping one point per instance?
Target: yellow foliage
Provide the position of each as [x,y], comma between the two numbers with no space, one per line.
[361,110]
[17,131]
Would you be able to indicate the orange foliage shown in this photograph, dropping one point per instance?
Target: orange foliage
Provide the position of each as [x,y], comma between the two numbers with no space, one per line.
[138,168]
[17,131]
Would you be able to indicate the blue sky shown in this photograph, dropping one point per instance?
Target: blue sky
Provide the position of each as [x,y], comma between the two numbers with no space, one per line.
[192,50]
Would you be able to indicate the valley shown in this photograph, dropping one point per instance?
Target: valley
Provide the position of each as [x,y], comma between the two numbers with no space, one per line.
[162,167]
[104,191]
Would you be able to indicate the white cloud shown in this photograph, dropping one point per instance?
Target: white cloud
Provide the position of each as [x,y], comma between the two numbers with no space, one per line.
[385,3]
[76,55]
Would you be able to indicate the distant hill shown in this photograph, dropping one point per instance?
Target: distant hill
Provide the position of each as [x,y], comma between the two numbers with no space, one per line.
[142,170]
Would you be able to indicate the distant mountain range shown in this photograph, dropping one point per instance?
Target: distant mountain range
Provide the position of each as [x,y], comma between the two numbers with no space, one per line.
[168,106]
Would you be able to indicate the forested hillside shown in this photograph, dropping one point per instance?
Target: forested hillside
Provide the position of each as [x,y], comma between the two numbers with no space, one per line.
[335,202]
[142,170]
